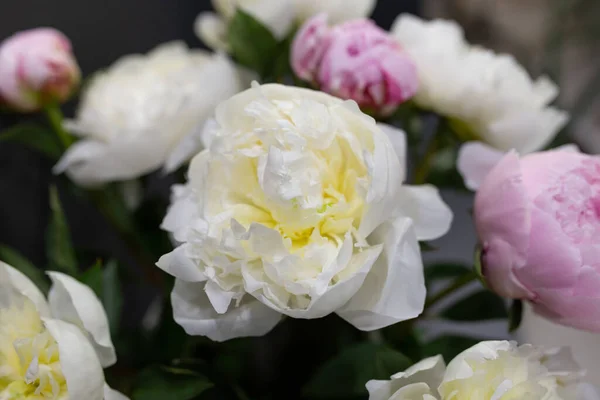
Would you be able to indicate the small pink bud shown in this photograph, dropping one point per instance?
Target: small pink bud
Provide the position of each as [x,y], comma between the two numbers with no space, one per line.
[538,219]
[37,67]
[356,60]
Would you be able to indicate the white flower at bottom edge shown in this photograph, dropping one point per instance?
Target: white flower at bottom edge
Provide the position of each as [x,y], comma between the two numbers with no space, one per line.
[493,370]
[486,96]
[297,208]
[145,112]
[52,355]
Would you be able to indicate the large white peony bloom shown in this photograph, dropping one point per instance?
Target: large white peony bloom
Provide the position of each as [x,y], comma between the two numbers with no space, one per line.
[278,15]
[490,371]
[297,208]
[52,350]
[487,96]
[145,112]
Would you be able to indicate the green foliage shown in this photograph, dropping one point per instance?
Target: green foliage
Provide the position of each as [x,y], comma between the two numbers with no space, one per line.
[478,265]
[442,271]
[104,281]
[165,383]
[34,136]
[515,315]
[20,262]
[252,44]
[448,346]
[479,306]
[59,248]
[346,374]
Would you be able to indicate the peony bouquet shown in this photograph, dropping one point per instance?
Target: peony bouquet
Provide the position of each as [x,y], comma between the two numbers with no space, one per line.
[293,252]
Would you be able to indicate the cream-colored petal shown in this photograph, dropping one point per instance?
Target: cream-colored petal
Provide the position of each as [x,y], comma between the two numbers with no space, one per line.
[74,302]
[194,312]
[78,361]
[11,278]
[394,290]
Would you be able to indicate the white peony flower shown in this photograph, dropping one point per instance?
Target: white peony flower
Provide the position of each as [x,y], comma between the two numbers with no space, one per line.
[494,370]
[487,96]
[297,208]
[278,15]
[145,112]
[56,349]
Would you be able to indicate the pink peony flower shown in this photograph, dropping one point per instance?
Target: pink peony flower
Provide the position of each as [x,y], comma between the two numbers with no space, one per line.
[356,60]
[36,67]
[538,219]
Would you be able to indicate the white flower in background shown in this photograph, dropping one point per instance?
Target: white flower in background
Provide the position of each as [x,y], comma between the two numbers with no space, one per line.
[145,112]
[487,96]
[279,16]
[494,370]
[297,208]
[52,350]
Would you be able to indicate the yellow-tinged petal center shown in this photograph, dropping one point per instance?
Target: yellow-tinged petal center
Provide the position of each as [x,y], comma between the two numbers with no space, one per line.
[29,358]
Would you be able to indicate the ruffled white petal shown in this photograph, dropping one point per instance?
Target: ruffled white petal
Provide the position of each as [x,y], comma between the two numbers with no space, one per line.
[76,303]
[178,264]
[424,205]
[194,312]
[394,290]
[397,138]
[428,372]
[13,279]
[78,361]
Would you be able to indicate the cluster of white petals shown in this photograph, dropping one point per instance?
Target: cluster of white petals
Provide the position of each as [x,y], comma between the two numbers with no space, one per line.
[486,96]
[296,207]
[55,349]
[495,370]
[146,112]
[279,16]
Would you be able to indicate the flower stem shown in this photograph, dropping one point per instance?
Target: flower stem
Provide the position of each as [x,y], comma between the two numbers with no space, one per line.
[424,167]
[460,282]
[55,117]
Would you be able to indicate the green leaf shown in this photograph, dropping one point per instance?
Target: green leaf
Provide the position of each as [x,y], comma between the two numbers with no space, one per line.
[252,44]
[482,305]
[163,383]
[112,296]
[444,271]
[448,346]
[104,281]
[35,136]
[346,374]
[92,277]
[59,249]
[515,315]
[426,247]
[20,262]
[478,265]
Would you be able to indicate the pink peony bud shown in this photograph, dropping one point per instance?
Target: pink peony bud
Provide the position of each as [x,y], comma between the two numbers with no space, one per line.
[37,67]
[538,219]
[356,60]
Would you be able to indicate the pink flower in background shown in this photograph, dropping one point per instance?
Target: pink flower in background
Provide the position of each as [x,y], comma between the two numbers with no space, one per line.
[538,220]
[36,67]
[356,60]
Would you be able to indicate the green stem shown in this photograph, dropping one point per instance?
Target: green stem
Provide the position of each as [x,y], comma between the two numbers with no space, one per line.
[424,167]
[55,117]
[457,284]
